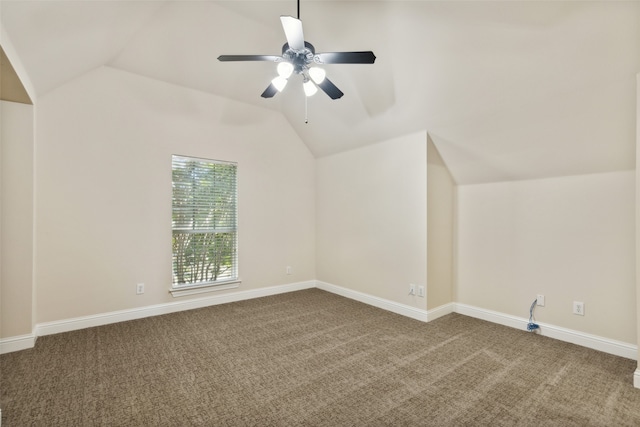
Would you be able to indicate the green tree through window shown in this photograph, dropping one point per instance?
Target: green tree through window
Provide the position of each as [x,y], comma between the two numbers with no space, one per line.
[204,221]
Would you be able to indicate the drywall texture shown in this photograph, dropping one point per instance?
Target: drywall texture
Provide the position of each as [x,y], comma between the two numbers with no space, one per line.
[103,190]
[569,238]
[440,229]
[16,225]
[371,219]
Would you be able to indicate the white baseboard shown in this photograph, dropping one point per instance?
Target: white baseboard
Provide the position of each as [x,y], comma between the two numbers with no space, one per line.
[73,324]
[595,342]
[440,311]
[23,342]
[385,304]
[636,378]
[606,345]
[17,343]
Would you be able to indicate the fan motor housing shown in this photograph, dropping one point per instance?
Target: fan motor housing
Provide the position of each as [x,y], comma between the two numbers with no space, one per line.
[299,58]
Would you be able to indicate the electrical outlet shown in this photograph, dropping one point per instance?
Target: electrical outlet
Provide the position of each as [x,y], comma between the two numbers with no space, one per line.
[578,308]
[412,289]
[140,288]
[540,300]
[289,270]
[421,291]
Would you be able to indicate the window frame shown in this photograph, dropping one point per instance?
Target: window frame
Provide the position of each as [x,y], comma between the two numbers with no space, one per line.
[190,288]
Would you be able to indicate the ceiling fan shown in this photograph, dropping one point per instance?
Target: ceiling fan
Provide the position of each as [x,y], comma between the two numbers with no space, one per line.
[299,57]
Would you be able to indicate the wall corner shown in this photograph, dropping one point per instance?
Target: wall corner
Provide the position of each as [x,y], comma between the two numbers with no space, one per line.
[636,377]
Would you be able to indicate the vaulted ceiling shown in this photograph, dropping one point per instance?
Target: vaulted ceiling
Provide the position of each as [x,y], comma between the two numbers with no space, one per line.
[507,90]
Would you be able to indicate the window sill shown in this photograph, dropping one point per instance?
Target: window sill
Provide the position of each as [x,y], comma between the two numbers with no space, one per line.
[200,289]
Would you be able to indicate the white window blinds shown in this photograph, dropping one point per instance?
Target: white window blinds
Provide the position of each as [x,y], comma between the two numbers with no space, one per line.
[204,221]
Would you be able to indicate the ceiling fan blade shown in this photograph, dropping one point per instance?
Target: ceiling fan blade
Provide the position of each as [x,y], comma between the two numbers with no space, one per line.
[272,58]
[270,91]
[293,32]
[330,89]
[366,57]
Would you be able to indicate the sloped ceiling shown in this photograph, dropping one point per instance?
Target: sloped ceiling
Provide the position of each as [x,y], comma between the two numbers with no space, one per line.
[11,88]
[507,90]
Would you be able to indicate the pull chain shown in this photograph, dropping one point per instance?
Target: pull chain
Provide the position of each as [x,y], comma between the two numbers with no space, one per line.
[306,117]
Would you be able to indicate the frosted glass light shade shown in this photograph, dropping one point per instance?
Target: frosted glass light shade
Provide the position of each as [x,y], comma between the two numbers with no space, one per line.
[317,74]
[279,83]
[309,88]
[285,69]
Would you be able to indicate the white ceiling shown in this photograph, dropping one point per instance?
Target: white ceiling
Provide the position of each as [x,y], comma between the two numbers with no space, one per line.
[507,90]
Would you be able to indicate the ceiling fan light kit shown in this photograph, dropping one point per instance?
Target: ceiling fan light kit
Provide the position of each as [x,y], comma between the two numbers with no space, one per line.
[317,74]
[300,57]
[285,69]
[279,83]
[310,89]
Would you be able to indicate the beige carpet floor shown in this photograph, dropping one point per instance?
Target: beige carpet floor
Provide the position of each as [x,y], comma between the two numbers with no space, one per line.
[311,358]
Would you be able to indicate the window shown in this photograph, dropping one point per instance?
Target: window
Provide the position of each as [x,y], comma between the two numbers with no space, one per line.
[204,222]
